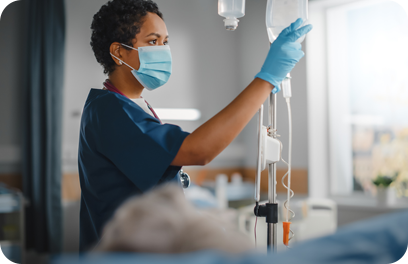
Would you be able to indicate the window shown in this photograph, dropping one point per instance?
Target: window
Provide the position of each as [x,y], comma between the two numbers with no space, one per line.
[367,81]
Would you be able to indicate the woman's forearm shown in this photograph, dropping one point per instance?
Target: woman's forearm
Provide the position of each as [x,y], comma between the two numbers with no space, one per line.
[207,141]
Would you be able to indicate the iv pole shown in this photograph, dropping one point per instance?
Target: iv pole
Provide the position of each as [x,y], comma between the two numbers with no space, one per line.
[270,209]
[272,227]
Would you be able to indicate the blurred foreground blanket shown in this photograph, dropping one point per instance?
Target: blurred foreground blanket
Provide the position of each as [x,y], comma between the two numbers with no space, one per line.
[165,223]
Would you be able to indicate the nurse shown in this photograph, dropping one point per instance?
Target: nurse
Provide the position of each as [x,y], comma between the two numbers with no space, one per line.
[124,149]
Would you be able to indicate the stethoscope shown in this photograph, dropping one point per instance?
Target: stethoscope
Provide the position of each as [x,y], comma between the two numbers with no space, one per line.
[184,177]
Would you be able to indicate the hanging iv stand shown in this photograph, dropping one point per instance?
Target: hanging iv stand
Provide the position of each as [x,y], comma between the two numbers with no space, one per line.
[272,227]
[270,209]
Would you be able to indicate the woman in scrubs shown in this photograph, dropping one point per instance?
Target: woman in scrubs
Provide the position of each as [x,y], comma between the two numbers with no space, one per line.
[124,149]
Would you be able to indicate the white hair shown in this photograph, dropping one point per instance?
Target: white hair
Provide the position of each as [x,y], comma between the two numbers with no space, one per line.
[163,221]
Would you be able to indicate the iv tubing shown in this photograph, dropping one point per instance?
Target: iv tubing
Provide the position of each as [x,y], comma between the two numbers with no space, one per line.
[287,94]
[258,166]
[289,158]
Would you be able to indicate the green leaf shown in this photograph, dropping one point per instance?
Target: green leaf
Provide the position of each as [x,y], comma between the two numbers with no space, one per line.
[384,181]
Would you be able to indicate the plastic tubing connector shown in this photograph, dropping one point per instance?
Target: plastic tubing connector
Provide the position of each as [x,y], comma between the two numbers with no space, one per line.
[286,231]
[231,23]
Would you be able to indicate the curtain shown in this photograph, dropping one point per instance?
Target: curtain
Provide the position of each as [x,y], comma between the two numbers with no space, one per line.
[43,126]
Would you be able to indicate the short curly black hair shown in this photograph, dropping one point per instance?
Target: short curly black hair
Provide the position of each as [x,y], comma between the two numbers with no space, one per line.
[118,21]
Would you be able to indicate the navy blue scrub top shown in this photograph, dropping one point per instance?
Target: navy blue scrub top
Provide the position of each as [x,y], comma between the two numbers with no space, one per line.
[123,151]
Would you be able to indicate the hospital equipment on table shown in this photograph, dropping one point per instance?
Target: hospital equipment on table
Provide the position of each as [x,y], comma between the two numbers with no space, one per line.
[12,223]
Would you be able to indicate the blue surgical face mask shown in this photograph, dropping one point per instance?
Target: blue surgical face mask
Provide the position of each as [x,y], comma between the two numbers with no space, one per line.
[155,66]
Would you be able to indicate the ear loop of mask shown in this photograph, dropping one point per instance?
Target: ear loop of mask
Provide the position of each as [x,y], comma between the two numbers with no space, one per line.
[121,61]
[127,46]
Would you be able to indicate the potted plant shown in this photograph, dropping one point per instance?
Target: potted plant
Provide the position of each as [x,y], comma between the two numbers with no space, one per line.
[385,194]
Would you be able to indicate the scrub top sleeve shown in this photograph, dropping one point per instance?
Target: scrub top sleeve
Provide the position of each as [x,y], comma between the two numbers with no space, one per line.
[138,145]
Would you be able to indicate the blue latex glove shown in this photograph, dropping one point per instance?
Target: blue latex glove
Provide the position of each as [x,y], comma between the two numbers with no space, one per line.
[283,54]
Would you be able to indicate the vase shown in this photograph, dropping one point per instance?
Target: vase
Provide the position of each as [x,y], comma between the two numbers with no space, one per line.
[386,196]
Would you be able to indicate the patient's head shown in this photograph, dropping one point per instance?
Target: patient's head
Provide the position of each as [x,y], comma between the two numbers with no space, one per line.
[162,221]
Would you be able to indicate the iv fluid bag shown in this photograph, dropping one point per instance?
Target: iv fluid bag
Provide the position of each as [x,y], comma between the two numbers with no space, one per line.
[281,13]
[231,10]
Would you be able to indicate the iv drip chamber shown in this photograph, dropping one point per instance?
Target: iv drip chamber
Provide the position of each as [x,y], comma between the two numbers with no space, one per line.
[231,10]
[281,13]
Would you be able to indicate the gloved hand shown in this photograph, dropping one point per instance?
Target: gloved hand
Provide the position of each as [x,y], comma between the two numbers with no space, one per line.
[283,54]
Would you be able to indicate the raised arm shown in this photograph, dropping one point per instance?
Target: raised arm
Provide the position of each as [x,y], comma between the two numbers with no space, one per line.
[207,141]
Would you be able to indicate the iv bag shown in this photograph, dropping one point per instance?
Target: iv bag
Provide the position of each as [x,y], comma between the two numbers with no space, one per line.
[231,10]
[281,13]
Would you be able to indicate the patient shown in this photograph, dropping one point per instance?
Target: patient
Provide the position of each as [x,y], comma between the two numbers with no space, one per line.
[163,221]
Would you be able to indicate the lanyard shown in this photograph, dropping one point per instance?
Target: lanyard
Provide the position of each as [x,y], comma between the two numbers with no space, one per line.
[110,87]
